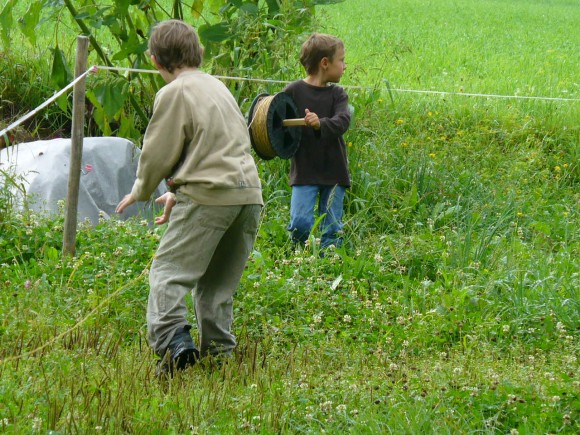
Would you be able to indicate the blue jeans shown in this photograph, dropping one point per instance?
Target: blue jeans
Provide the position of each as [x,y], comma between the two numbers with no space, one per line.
[330,202]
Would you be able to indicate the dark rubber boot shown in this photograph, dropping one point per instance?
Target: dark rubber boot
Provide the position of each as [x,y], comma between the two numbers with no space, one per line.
[180,354]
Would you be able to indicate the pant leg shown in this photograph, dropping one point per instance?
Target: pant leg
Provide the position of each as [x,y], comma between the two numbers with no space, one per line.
[331,203]
[215,290]
[302,212]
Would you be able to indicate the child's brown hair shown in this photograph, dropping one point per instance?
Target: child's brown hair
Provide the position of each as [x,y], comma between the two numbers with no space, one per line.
[175,44]
[317,47]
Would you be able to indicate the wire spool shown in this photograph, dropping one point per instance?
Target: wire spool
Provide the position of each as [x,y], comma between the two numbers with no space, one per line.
[272,129]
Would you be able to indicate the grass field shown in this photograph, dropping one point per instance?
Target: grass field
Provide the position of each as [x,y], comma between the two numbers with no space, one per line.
[454,306]
[493,47]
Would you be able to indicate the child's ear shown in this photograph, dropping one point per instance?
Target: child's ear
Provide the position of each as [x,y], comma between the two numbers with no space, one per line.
[155,63]
[324,63]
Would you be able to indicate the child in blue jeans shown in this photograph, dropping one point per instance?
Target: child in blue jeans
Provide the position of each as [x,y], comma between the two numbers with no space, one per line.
[319,169]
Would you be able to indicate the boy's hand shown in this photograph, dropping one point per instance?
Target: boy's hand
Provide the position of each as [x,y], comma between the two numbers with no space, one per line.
[312,120]
[125,202]
[168,199]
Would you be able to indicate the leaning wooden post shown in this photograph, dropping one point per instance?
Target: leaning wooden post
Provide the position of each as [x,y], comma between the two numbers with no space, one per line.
[76,148]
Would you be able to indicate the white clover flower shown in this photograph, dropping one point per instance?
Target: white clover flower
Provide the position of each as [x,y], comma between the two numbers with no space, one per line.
[36,423]
[378,258]
[347,318]
[326,406]
[341,408]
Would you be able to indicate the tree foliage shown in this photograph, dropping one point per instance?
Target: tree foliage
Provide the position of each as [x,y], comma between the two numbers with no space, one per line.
[242,38]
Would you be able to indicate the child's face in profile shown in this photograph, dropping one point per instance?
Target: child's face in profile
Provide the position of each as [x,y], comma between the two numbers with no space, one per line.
[336,67]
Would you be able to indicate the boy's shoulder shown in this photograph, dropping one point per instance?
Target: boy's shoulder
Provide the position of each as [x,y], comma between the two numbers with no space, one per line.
[303,86]
[294,85]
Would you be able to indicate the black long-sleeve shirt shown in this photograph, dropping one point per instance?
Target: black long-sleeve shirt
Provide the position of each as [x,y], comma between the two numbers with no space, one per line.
[321,157]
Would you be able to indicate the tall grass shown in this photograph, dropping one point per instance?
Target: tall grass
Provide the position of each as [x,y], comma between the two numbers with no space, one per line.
[452,308]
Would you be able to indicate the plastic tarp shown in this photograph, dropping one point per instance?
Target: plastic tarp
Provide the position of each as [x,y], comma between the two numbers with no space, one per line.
[108,169]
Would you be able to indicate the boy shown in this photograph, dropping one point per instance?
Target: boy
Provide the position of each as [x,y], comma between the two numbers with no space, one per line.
[198,137]
[319,169]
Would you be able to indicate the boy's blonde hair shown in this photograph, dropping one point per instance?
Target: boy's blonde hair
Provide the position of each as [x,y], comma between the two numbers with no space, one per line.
[175,44]
[317,47]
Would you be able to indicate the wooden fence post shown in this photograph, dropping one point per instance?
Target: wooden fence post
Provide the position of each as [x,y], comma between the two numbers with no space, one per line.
[76,150]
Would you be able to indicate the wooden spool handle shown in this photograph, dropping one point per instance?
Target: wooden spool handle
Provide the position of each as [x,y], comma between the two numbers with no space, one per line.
[293,122]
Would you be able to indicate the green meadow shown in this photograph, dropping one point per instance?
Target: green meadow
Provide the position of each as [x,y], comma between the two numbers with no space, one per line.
[453,306]
[493,47]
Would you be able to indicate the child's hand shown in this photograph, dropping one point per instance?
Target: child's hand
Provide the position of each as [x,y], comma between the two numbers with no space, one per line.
[125,202]
[312,120]
[168,199]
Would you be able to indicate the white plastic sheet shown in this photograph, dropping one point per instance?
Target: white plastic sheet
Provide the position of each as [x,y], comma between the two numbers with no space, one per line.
[108,171]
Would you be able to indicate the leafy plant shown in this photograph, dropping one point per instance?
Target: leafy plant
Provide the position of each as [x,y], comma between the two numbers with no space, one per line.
[242,38]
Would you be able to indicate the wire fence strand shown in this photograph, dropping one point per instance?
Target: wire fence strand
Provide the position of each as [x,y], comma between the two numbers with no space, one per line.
[96,68]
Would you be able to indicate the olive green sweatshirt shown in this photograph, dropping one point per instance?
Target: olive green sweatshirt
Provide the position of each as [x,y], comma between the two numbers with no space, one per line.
[198,136]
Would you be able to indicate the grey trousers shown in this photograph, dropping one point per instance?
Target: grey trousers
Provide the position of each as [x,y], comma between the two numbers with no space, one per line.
[204,251]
